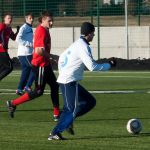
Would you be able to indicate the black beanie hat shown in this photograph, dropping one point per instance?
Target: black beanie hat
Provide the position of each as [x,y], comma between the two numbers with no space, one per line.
[87,28]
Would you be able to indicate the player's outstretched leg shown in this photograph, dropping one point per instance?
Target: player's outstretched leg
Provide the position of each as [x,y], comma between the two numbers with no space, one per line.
[26,67]
[70,130]
[67,116]
[51,80]
[11,109]
[86,101]
[31,78]
[13,103]
[6,65]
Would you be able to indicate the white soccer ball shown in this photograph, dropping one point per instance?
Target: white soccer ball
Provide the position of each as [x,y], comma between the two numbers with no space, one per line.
[134,126]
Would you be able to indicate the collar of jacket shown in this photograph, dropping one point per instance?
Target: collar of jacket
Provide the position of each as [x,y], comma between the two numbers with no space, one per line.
[84,40]
[29,24]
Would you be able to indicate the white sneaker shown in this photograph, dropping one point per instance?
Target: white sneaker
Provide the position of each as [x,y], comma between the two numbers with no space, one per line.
[56,137]
[56,117]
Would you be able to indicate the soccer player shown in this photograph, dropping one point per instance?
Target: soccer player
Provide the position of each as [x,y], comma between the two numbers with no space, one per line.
[25,49]
[77,100]
[41,67]
[5,33]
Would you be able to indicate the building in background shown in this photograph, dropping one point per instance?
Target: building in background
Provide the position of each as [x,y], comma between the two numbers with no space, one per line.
[63,8]
[114,2]
[107,2]
[146,7]
[117,2]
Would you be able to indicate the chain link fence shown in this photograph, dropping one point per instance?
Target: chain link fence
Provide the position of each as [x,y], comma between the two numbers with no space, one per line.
[111,12]
[118,33]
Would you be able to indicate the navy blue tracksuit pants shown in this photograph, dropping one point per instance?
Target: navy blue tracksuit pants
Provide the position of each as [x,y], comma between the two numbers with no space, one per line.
[27,76]
[77,102]
[6,65]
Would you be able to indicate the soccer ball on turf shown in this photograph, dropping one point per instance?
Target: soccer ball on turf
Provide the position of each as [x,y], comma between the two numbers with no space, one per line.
[134,126]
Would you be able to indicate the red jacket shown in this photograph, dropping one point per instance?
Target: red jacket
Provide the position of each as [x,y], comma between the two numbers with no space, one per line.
[5,34]
[42,38]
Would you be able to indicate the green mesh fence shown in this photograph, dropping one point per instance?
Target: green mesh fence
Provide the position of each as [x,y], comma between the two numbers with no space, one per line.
[111,12]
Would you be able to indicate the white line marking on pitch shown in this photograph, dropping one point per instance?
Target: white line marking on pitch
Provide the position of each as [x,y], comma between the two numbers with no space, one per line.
[12,92]
[104,76]
[116,77]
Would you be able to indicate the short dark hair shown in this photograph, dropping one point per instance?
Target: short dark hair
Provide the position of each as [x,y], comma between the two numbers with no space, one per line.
[44,14]
[87,28]
[29,14]
[7,14]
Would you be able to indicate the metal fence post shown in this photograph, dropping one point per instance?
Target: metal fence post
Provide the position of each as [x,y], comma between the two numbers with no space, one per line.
[2,10]
[126,29]
[45,4]
[24,7]
[139,16]
[98,31]
[149,41]
[73,33]
[91,11]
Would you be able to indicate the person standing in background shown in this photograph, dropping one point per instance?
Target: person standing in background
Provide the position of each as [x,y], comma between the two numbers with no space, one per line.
[25,50]
[6,33]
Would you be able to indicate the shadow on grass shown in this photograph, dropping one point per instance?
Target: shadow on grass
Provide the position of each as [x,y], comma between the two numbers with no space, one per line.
[77,120]
[113,136]
[108,119]
[28,110]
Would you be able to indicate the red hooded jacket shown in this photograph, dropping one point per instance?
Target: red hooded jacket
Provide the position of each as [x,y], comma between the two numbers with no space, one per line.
[5,33]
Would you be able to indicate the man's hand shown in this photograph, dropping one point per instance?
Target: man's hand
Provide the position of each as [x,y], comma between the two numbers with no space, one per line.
[41,51]
[54,59]
[18,28]
[113,62]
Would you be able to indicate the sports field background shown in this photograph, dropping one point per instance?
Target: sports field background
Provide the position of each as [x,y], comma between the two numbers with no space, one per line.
[104,128]
[120,95]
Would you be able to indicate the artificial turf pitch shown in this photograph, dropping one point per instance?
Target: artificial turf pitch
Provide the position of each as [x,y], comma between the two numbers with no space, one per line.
[104,128]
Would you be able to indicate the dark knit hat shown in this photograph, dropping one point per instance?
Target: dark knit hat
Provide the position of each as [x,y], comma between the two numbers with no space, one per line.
[87,28]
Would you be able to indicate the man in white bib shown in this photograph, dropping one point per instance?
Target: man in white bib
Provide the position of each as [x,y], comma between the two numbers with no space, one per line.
[72,62]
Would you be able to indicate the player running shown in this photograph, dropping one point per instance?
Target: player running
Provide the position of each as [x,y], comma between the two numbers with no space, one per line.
[25,49]
[6,32]
[77,100]
[41,67]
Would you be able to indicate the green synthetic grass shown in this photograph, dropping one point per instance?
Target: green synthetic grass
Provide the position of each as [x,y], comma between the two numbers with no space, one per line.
[104,128]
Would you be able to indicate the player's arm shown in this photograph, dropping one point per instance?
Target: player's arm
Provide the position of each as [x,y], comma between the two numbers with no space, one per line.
[13,35]
[20,39]
[41,52]
[2,27]
[90,63]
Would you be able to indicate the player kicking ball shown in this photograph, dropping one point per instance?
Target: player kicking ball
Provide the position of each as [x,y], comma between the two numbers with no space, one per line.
[41,67]
[77,100]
